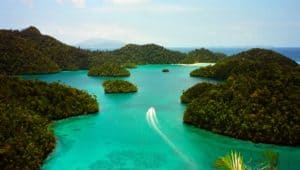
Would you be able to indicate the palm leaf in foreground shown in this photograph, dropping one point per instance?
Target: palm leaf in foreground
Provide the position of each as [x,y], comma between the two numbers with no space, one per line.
[271,160]
[231,161]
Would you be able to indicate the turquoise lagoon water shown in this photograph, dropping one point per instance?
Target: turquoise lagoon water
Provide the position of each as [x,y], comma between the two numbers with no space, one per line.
[119,137]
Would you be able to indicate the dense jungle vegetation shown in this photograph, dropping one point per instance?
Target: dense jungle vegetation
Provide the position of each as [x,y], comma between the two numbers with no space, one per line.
[119,86]
[258,100]
[153,54]
[165,70]
[27,108]
[235,161]
[248,63]
[202,55]
[148,54]
[30,52]
[109,70]
[129,65]
[137,54]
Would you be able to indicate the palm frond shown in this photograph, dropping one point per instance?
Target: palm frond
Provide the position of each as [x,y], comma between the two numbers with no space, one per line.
[231,161]
[271,160]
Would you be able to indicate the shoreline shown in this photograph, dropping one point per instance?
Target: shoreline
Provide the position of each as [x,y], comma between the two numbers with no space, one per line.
[196,64]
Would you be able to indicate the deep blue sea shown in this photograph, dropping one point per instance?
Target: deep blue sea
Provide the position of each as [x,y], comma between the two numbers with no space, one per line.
[291,52]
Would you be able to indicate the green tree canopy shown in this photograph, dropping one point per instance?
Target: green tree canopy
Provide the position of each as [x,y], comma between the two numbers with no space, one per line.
[258,99]
[119,86]
[108,70]
[26,110]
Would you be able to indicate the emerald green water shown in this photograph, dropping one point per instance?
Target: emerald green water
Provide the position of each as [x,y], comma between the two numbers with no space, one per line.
[119,137]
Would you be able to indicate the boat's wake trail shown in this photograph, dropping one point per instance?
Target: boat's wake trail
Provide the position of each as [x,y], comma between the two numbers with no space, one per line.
[153,122]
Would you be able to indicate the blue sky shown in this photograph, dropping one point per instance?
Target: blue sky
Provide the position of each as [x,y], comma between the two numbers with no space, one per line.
[172,23]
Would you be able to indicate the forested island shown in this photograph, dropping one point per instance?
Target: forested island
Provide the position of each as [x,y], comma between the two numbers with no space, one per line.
[165,70]
[202,55]
[30,52]
[108,70]
[258,98]
[133,54]
[27,108]
[119,86]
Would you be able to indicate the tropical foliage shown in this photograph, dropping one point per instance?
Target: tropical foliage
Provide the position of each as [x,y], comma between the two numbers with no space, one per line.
[148,54]
[65,56]
[25,140]
[165,70]
[248,63]
[26,110]
[129,65]
[30,52]
[152,54]
[234,161]
[259,100]
[20,56]
[202,55]
[195,92]
[109,70]
[231,161]
[271,161]
[119,86]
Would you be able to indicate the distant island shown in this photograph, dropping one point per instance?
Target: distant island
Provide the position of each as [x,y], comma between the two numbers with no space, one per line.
[30,52]
[244,63]
[257,99]
[100,44]
[108,70]
[165,70]
[202,56]
[27,108]
[119,86]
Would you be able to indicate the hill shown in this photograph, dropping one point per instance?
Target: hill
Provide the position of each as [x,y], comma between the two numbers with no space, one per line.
[258,99]
[153,54]
[28,51]
[108,70]
[148,54]
[202,55]
[67,57]
[19,55]
[248,62]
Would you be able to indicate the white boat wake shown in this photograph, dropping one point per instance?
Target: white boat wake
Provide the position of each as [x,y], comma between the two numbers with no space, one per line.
[153,122]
